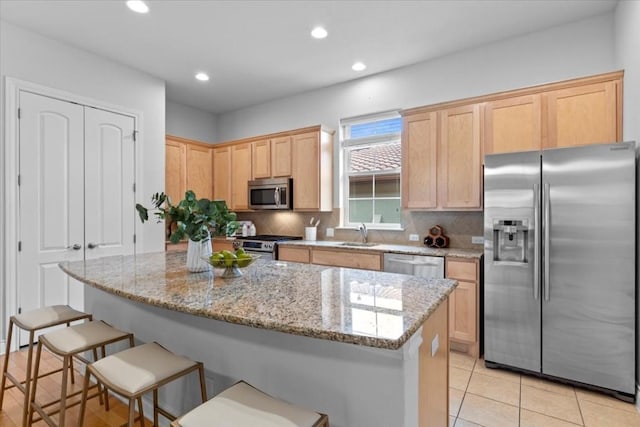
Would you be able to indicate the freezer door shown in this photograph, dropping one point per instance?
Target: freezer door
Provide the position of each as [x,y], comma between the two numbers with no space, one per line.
[511,281]
[588,311]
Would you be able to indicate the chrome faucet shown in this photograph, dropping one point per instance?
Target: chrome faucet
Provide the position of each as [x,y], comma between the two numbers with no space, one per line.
[363,232]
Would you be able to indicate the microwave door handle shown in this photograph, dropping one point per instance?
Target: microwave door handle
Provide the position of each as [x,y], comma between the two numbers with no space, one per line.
[276,196]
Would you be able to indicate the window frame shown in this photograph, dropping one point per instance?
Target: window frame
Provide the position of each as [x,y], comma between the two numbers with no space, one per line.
[346,145]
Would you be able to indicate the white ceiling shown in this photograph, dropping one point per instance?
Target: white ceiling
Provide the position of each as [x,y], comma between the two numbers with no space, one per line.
[257,51]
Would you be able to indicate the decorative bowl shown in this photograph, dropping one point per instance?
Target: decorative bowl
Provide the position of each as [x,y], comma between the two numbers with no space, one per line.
[232,267]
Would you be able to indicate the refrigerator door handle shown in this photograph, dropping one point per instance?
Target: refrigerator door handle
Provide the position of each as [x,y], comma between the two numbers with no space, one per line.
[536,241]
[547,248]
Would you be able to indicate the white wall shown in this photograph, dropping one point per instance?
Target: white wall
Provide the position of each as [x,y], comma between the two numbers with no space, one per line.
[565,52]
[191,123]
[27,56]
[627,57]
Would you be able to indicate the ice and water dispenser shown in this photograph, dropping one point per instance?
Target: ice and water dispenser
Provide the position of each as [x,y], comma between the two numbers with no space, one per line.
[510,237]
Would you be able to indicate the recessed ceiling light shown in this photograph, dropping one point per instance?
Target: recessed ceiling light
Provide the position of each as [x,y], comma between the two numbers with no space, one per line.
[138,6]
[319,33]
[358,66]
[203,77]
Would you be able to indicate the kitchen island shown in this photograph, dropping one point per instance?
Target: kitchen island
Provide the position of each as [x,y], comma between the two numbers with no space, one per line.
[367,348]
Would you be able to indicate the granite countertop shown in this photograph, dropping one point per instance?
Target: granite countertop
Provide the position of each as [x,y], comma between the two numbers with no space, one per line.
[362,307]
[398,249]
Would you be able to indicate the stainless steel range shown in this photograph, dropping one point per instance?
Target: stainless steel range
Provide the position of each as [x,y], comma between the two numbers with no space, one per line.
[263,243]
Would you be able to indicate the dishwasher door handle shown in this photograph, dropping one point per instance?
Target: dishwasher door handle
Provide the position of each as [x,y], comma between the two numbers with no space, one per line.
[412,262]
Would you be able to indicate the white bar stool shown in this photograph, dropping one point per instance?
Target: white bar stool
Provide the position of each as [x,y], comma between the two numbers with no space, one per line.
[33,321]
[243,405]
[138,370]
[69,343]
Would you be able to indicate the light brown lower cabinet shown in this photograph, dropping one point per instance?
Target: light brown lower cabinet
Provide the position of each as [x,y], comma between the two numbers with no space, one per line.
[464,304]
[302,254]
[349,259]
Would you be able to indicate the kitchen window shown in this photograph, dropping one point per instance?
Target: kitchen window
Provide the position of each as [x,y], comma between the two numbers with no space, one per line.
[371,156]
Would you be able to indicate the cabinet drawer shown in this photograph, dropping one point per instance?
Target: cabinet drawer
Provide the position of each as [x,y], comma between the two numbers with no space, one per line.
[458,269]
[294,254]
[350,259]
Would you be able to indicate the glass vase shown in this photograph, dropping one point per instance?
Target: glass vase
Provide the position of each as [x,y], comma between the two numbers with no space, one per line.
[196,252]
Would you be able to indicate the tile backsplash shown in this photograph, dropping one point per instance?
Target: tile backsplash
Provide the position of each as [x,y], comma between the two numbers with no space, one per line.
[459,226]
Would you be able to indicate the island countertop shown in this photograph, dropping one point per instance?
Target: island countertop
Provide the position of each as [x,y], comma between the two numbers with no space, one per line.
[369,308]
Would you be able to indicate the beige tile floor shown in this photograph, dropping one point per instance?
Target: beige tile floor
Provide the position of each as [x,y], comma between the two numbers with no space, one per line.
[495,398]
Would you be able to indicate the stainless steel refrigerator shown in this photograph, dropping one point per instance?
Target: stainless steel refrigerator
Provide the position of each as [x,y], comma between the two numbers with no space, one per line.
[560,255]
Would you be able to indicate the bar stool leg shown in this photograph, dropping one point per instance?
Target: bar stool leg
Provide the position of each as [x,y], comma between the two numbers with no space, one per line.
[5,366]
[32,396]
[141,413]
[155,406]
[63,396]
[83,401]
[132,412]
[73,380]
[203,388]
[27,381]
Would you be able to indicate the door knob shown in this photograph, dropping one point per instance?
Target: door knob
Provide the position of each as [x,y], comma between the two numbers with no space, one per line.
[75,247]
[93,245]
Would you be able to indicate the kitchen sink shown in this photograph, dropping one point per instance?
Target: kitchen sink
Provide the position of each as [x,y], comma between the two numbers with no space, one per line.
[359,244]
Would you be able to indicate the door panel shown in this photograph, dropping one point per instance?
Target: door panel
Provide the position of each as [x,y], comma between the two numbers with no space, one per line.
[588,320]
[109,178]
[511,310]
[51,216]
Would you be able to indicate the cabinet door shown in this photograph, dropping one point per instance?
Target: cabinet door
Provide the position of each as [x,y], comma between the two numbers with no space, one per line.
[222,174]
[261,159]
[349,259]
[460,163]
[306,173]
[240,175]
[462,312]
[294,254]
[199,173]
[176,170]
[419,158]
[513,124]
[582,115]
[281,156]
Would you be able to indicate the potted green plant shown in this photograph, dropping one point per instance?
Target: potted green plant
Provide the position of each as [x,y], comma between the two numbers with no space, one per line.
[195,219]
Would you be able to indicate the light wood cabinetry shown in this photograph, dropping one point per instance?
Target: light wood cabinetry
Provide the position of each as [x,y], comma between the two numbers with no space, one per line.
[575,112]
[281,156]
[222,244]
[460,174]
[288,253]
[582,115]
[350,259]
[312,171]
[261,158]
[240,175]
[222,174]
[442,159]
[464,304]
[175,169]
[419,161]
[199,171]
[513,124]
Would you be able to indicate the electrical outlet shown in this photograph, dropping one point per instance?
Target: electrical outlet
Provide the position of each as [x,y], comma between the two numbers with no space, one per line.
[329,232]
[414,237]
[477,240]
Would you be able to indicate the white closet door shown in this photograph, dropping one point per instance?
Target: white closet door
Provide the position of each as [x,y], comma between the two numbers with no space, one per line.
[51,207]
[109,178]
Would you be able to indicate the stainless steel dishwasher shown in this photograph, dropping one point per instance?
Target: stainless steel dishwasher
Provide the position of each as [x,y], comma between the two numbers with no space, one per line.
[418,265]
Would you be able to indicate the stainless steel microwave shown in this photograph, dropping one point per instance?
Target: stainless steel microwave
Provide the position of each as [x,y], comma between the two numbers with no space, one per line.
[272,193]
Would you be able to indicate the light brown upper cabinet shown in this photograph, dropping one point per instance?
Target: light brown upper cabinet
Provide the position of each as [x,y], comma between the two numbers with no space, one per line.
[312,170]
[188,167]
[574,112]
[199,172]
[175,169]
[281,156]
[441,152]
[222,174]
[419,161]
[261,158]
[460,171]
[513,124]
[585,114]
[240,175]
[271,157]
